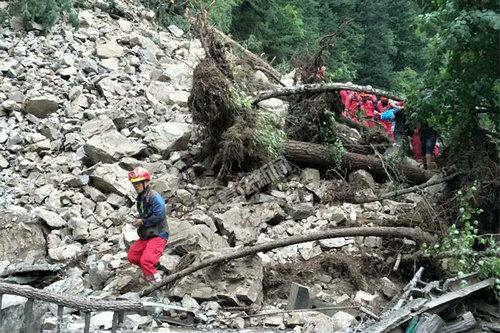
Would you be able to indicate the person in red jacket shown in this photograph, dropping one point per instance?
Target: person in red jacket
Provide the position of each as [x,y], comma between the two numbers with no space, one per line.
[352,106]
[368,109]
[383,105]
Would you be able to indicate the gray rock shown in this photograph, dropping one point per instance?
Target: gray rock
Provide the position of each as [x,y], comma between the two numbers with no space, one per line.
[51,218]
[102,124]
[169,262]
[79,228]
[110,63]
[65,252]
[174,30]
[300,211]
[362,180]
[41,106]
[236,223]
[3,162]
[151,49]
[20,236]
[168,137]
[13,311]
[343,320]
[310,175]
[388,288]
[110,178]
[111,146]
[185,237]
[129,233]
[88,65]
[110,49]
[238,283]
[179,97]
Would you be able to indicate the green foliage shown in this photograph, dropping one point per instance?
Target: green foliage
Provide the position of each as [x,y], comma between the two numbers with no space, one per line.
[462,71]
[463,237]
[44,12]
[336,151]
[268,133]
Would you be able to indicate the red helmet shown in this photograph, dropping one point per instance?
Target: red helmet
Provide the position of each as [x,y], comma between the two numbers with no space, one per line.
[138,175]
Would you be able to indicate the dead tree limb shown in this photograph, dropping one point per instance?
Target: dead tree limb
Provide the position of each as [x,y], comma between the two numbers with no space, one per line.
[451,254]
[409,189]
[266,71]
[319,88]
[251,56]
[408,288]
[401,232]
[320,156]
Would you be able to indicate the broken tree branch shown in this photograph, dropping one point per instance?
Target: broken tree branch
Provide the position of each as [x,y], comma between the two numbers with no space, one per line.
[408,288]
[321,87]
[409,189]
[251,56]
[451,254]
[321,156]
[272,313]
[401,232]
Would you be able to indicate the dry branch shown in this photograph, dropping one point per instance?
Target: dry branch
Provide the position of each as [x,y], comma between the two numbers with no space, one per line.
[320,156]
[409,189]
[321,87]
[251,56]
[401,232]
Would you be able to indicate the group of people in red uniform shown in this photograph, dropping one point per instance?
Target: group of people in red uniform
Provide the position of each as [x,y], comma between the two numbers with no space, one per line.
[388,114]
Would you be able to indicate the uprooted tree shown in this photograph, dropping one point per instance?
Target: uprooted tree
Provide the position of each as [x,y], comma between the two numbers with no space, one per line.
[240,135]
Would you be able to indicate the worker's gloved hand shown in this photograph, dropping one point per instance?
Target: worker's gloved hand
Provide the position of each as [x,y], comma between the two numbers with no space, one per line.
[137,223]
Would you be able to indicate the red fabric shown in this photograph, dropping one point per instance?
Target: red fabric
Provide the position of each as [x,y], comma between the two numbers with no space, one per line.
[416,145]
[344,97]
[367,105]
[146,253]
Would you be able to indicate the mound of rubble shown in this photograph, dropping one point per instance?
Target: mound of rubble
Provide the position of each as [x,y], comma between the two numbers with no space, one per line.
[79,108]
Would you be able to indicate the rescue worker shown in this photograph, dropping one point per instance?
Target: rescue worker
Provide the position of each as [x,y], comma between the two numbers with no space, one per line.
[368,108]
[151,226]
[382,106]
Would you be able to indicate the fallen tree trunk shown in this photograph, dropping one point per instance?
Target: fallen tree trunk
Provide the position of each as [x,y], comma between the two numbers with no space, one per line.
[409,189]
[319,88]
[402,232]
[317,155]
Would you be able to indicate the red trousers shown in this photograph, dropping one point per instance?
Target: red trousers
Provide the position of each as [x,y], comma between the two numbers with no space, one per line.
[146,253]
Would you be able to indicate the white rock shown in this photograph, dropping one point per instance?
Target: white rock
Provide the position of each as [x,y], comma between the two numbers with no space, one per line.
[109,50]
[51,218]
[363,296]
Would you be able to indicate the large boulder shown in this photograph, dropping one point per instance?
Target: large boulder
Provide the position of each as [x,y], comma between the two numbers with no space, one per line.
[12,314]
[110,49]
[52,219]
[242,223]
[111,146]
[237,283]
[362,180]
[41,106]
[110,178]
[97,126]
[185,238]
[168,137]
[21,237]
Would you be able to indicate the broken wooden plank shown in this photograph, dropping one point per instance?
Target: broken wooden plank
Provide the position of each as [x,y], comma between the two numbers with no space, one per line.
[446,300]
[395,318]
[463,324]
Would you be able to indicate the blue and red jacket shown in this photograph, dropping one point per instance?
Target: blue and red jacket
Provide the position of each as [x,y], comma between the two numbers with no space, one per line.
[152,210]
